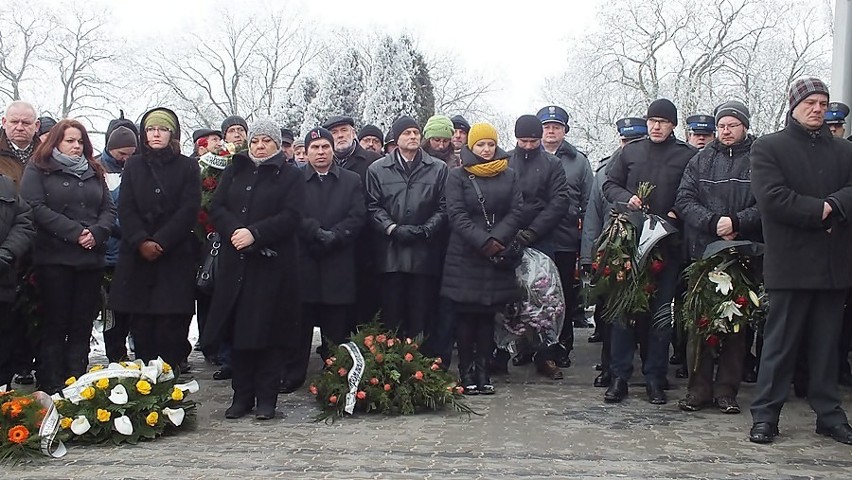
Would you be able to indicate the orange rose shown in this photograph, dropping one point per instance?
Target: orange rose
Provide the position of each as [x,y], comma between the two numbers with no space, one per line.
[381,339]
[328,362]
[387,387]
[438,360]
[368,341]
[332,399]
[361,395]
[459,390]
[380,358]
[390,342]
[18,434]
[409,357]
[418,375]
[342,372]
[374,381]
[373,349]
[435,367]
[408,341]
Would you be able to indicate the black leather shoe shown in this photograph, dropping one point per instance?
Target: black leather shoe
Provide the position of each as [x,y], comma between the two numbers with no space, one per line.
[656,394]
[675,359]
[763,432]
[603,379]
[750,376]
[595,337]
[522,359]
[265,413]
[500,362]
[290,386]
[800,389]
[224,373]
[616,392]
[682,372]
[237,411]
[24,378]
[841,433]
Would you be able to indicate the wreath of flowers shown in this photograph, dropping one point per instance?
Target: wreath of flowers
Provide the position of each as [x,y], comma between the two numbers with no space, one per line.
[21,416]
[721,298]
[542,307]
[396,379]
[616,276]
[125,402]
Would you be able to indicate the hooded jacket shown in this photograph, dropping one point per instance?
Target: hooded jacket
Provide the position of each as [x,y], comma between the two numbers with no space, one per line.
[717,183]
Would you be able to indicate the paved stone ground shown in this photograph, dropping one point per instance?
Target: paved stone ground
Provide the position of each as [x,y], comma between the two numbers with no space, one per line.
[532,428]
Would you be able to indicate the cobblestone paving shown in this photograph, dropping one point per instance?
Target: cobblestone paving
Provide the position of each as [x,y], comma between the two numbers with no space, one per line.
[532,428]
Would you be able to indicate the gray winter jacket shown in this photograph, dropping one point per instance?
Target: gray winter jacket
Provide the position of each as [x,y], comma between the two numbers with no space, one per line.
[597,215]
[579,176]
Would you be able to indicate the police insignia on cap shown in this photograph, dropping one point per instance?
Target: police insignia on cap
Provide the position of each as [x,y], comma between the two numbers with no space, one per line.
[626,122]
[315,134]
[552,110]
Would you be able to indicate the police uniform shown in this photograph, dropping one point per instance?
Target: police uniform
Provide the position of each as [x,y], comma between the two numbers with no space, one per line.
[836,114]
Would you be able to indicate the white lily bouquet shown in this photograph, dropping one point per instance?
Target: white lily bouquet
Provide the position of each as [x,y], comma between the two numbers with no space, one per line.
[124,402]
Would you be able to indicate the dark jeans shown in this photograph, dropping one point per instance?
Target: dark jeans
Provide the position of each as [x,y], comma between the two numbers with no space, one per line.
[69,300]
[566,263]
[257,377]
[474,337]
[659,333]
[8,339]
[814,317]
[440,339]
[728,374]
[408,303]
[161,336]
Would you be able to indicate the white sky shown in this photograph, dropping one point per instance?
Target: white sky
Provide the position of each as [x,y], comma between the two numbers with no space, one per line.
[518,44]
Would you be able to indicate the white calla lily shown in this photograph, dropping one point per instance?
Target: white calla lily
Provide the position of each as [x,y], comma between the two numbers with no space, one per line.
[175,415]
[150,373]
[722,281]
[80,425]
[114,366]
[190,387]
[730,310]
[123,425]
[118,395]
[755,299]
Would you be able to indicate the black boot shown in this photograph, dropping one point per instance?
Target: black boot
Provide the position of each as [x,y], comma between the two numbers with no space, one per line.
[483,379]
[500,362]
[603,380]
[617,391]
[467,378]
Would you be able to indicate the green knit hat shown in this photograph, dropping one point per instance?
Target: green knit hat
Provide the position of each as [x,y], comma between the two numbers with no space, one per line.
[161,118]
[439,126]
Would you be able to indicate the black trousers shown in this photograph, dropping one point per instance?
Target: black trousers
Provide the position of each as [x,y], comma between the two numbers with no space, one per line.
[257,377]
[8,339]
[409,303]
[605,329]
[368,297]
[115,339]
[161,336]
[69,300]
[566,263]
[810,316]
[332,320]
[728,374]
[474,337]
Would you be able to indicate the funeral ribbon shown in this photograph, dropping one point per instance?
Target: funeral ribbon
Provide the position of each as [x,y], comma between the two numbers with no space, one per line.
[50,445]
[355,374]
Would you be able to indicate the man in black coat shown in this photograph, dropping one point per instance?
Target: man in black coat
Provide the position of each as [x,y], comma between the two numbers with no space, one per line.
[659,160]
[546,201]
[715,202]
[350,155]
[407,208]
[802,180]
[333,217]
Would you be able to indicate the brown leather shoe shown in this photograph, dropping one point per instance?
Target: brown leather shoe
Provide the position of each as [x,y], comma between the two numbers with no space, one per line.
[550,370]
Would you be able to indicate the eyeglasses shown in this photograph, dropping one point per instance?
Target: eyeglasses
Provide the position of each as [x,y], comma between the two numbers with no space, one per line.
[659,121]
[729,127]
[158,129]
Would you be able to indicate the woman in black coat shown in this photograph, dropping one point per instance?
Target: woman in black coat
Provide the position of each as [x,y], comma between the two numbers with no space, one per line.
[484,205]
[154,280]
[256,209]
[74,214]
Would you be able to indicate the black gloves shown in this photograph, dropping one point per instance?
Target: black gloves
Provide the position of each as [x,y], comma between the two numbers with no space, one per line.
[526,237]
[325,238]
[405,234]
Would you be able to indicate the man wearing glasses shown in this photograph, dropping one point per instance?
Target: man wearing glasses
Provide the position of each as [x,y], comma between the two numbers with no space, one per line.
[659,160]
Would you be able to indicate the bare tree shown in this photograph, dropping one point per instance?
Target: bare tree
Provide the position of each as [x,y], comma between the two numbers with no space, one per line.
[457,91]
[23,35]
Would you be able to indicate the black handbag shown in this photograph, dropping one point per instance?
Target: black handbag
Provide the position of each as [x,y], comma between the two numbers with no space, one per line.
[206,275]
[509,258]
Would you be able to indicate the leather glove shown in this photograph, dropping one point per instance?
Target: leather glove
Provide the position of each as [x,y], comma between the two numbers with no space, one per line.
[150,250]
[526,237]
[325,238]
[405,234]
[491,248]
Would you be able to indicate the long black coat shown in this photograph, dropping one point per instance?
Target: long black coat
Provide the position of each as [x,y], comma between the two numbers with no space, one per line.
[159,200]
[545,191]
[63,205]
[256,298]
[16,233]
[394,197]
[792,175]
[469,276]
[336,204]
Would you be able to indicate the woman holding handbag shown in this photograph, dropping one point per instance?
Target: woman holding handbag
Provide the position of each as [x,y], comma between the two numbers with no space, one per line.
[484,206]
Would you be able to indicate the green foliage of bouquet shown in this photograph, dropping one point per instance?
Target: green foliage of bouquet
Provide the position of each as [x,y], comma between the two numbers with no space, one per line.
[396,378]
[20,420]
[125,402]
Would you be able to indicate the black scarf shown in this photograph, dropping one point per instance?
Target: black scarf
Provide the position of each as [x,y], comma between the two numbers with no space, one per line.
[341,158]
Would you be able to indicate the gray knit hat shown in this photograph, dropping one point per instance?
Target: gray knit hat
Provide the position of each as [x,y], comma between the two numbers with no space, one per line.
[265,127]
[121,137]
[733,109]
[804,88]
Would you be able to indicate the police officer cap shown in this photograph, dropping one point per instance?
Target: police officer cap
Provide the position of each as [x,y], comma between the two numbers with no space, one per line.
[836,113]
[632,127]
[701,123]
[552,113]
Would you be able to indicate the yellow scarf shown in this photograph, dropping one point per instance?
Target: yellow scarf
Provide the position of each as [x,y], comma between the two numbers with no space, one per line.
[489,169]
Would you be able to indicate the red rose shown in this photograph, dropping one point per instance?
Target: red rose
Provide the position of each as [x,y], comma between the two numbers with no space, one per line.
[209,184]
[650,288]
[607,271]
[387,388]
[202,142]
[418,375]
[712,341]
[209,228]
[657,266]
[409,357]
[703,322]
[342,372]
[332,399]
[203,217]
[741,301]
[361,395]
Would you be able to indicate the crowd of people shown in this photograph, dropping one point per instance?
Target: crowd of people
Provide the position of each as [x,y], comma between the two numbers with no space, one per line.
[422,228]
